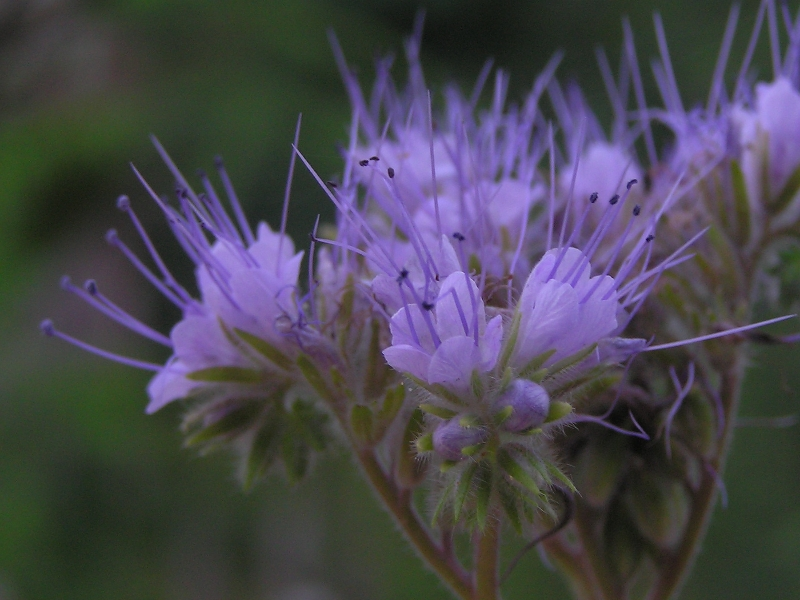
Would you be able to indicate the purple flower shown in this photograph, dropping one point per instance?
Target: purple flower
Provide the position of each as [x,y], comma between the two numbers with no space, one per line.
[447,341]
[238,337]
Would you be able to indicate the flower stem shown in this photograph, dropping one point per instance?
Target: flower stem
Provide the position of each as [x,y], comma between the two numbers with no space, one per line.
[486,557]
[398,502]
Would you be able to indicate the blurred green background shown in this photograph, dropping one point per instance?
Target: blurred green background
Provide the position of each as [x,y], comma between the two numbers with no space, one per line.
[99,501]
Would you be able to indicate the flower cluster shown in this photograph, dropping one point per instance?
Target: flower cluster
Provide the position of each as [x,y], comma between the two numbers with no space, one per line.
[491,279]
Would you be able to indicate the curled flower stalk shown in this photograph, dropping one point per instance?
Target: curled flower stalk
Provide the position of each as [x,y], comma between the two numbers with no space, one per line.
[513,320]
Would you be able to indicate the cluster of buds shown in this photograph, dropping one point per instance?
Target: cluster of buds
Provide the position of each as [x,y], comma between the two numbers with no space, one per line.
[482,320]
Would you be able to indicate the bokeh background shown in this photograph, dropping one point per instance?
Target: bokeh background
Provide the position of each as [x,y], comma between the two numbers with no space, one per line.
[98,500]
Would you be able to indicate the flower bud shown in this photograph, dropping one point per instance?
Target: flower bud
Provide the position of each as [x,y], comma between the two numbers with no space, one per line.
[452,437]
[529,404]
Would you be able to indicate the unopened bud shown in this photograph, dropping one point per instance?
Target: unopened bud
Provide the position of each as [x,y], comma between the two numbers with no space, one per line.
[451,438]
[529,405]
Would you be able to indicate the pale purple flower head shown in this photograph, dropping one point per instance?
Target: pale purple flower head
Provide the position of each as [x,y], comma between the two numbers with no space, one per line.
[237,339]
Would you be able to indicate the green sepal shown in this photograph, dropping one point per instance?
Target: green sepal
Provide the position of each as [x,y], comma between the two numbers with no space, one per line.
[741,201]
[443,500]
[362,423]
[314,378]
[558,410]
[311,424]
[410,471]
[572,359]
[437,411]
[510,343]
[561,476]
[436,389]
[469,421]
[599,467]
[235,421]
[377,371]
[447,465]
[266,349]
[535,363]
[509,501]
[477,384]
[483,493]
[660,508]
[517,472]
[227,375]
[788,192]
[471,450]
[501,416]
[265,446]
[392,403]
[424,443]
[464,487]
[295,455]
[624,548]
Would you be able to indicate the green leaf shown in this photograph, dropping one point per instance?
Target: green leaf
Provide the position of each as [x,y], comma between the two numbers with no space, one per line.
[227,375]
[361,422]
[266,349]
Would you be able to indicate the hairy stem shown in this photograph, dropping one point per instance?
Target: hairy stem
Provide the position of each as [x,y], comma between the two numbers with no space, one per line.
[398,502]
[486,558]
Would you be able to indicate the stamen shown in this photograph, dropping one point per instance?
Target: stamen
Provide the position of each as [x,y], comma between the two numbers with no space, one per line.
[286,196]
[113,239]
[233,199]
[719,334]
[49,330]
[92,296]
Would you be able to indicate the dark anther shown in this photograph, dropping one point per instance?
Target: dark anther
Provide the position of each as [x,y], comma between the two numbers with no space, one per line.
[123,203]
[331,184]
[614,199]
[649,238]
[631,182]
[593,197]
[402,276]
[218,162]
[90,285]
[648,182]
[363,163]
[458,236]
[427,305]
[390,171]
[636,210]
[374,158]
[202,174]
[47,328]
